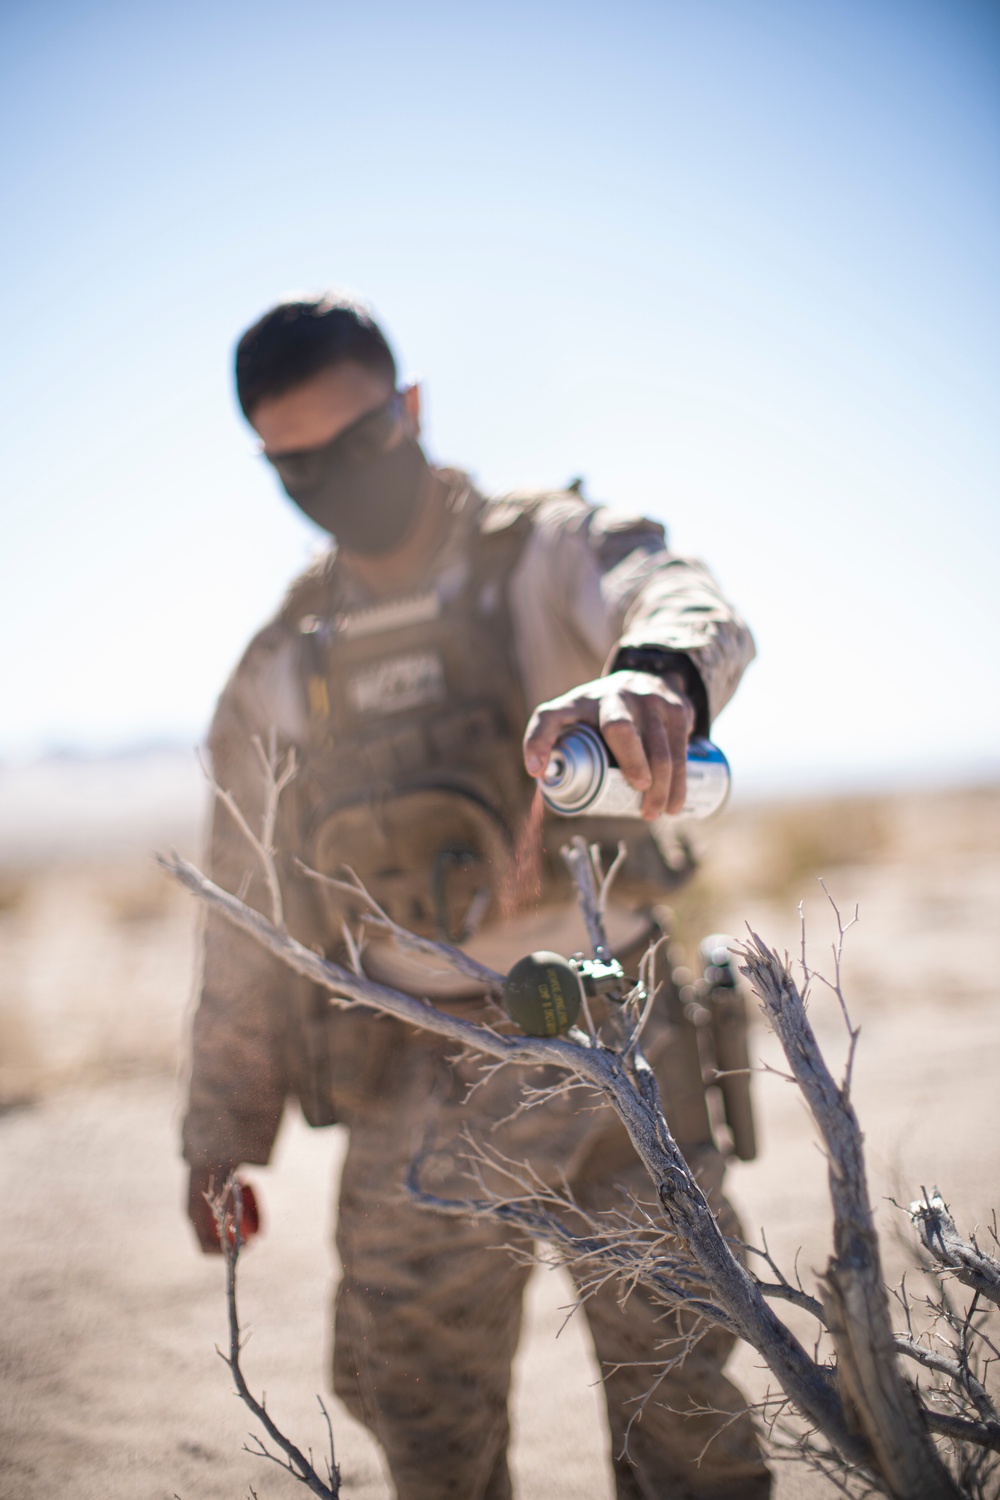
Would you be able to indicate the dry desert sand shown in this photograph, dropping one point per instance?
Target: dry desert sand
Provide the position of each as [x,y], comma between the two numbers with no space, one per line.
[111,1388]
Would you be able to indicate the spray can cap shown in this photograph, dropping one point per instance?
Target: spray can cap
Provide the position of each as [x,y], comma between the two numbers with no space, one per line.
[576,768]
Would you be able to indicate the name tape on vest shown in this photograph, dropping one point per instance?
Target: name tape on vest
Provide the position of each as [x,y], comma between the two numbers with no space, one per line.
[388,687]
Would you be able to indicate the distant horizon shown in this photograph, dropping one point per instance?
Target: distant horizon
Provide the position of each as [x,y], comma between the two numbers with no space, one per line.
[818,778]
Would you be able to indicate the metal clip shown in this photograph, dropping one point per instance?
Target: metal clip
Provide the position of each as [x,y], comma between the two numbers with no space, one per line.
[600,977]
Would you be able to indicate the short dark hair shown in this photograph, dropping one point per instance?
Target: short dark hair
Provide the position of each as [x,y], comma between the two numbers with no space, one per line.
[297,339]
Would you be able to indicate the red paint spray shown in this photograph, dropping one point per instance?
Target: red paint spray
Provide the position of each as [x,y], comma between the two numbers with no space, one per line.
[523,886]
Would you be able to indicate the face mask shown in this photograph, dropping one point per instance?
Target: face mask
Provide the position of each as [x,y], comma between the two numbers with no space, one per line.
[355,487]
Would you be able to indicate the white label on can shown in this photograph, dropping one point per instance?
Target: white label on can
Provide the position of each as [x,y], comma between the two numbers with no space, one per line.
[616,799]
[389,687]
[707,787]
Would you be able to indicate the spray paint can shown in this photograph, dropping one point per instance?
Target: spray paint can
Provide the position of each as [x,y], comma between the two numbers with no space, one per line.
[582,776]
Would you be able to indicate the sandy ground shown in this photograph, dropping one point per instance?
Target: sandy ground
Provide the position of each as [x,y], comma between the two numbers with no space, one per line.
[111,1387]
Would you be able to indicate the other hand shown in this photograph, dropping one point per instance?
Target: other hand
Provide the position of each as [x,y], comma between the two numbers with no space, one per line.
[646,722]
[211,1180]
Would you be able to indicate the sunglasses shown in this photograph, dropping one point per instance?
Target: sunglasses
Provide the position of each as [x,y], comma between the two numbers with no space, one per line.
[365,439]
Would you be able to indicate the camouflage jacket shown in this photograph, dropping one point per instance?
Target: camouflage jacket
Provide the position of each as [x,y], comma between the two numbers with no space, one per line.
[585,583]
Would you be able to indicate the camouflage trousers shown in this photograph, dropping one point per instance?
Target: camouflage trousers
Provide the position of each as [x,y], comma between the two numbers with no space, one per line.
[429,1307]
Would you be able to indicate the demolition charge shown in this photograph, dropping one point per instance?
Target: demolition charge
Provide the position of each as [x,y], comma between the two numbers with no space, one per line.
[542,994]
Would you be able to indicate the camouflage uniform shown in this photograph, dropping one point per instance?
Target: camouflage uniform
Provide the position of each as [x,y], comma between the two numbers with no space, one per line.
[428,1313]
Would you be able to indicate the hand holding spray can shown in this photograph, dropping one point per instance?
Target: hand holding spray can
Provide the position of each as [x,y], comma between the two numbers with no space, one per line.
[582,776]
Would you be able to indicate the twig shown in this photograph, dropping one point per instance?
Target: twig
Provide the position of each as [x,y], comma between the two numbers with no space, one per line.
[783,1289]
[295,1460]
[541,1212]
[583,864]
[962,1429]
[278,772]
[608,880]
[853,1032]
[855,1302]
[968,1264]
[957,1371]
[379,919]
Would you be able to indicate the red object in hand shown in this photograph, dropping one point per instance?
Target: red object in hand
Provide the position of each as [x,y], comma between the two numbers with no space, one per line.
[203,1181]
[249,1218]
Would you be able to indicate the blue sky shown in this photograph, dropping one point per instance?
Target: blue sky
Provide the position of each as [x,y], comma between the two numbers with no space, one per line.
[735,263]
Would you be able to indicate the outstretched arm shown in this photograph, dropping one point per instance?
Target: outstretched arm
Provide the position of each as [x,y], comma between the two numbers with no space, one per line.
[673,648]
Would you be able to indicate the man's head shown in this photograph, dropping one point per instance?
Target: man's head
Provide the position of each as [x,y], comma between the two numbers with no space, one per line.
[296,340]
[316,380]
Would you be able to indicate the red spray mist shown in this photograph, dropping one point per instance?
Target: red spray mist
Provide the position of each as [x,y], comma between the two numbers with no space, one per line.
[523,886]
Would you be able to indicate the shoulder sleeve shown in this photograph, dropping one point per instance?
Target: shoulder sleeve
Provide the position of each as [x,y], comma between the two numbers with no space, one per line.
[616,584]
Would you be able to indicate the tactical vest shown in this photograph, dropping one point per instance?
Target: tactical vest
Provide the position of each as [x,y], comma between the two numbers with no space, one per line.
[414,777]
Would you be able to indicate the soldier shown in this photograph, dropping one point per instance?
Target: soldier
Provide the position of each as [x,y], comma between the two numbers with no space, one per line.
[406,668]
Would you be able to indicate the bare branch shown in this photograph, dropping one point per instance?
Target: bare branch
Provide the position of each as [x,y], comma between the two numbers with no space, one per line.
[229,1225]
[277,772]
[782,1289]
[380,921]
[542,1212]
[583,864]
[970,1265]
[332,1468]
[962,1430]
[853,1031]
[346,987]
[956,1370]
[646,988]
[609,879]
[855,1302]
